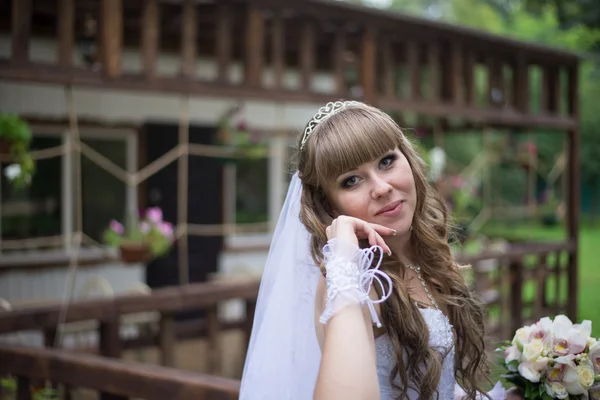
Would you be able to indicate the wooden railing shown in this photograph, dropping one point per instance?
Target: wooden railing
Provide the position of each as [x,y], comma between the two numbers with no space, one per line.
[380,57]
[167,302]
[523,284]
[114,379]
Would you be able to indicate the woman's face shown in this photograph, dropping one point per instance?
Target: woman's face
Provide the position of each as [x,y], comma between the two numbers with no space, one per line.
[381,191]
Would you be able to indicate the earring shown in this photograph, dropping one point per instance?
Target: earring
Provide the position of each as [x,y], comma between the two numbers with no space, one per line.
[410,229]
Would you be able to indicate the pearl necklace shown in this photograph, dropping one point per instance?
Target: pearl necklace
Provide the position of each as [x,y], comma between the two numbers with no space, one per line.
[417,269]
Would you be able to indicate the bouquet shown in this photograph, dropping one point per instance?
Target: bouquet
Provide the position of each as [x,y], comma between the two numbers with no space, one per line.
[150,233]
[554,359]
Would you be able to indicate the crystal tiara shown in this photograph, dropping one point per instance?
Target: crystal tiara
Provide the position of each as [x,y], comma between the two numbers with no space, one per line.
[324,112]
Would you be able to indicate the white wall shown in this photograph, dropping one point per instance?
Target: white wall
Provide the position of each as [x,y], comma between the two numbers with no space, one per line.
[48,101]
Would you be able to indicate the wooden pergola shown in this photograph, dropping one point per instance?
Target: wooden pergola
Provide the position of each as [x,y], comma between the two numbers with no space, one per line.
[395,62]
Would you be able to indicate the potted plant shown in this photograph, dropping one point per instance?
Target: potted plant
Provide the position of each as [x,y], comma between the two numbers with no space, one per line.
[15,138]
[243,142]
[149,237]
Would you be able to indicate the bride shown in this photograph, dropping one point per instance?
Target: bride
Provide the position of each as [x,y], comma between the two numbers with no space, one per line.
[360,296]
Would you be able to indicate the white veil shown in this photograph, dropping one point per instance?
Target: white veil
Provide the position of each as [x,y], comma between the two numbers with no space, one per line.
[283,355]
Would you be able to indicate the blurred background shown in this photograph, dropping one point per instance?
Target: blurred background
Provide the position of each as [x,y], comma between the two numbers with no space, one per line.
[146,147]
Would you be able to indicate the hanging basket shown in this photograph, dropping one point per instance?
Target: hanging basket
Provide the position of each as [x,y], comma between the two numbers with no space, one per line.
[133,253]
[5,147]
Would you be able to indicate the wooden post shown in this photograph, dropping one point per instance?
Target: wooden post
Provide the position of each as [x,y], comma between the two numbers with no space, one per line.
[339,65]
[278,50]
[20,30]
[167,340]
[414,72]
[254,46]
[110,346]
[188,39]
[224,41]
[368,65]
[516,294]
[112,36]
[435,74]
[150,37]
[457,81]
[23,388]
[520,82]
[214,342]
[469,78]
[573,203]
[388,68]
[66,28]
[307,54]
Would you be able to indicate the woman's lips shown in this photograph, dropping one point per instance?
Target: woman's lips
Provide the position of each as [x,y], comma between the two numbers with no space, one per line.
[391,210]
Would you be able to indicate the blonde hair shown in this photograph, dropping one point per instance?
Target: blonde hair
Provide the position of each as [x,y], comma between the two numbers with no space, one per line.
[359,133]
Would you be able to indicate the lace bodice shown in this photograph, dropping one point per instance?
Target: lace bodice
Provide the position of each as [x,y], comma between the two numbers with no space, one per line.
[440,336]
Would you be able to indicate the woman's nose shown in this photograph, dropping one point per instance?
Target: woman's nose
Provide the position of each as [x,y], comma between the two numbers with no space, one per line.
[381,187]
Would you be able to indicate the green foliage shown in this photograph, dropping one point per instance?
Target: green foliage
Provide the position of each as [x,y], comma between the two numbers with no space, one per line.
[17,134]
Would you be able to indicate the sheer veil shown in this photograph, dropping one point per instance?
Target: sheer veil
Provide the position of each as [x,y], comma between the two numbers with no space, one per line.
[283,355]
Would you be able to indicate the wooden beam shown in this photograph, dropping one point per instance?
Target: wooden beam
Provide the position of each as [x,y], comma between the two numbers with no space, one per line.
[150,37]
[369,65]
[224,41]
[136,82]
[112,36]
[66,32]
[123,379]
[188,39]
[307,54]
[20,30]
[254,46]
[278,50]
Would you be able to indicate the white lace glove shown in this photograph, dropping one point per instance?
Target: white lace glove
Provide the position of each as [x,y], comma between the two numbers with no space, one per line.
[349,279]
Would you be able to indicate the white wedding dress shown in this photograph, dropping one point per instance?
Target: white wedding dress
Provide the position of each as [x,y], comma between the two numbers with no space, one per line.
[440,337]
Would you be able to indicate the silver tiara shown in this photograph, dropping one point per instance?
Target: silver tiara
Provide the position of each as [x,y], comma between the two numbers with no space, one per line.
[324,112]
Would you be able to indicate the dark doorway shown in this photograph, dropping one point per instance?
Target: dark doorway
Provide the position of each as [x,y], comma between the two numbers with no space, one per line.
[204,201]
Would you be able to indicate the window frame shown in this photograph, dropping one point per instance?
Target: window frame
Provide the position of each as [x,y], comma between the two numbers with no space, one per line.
[128,135]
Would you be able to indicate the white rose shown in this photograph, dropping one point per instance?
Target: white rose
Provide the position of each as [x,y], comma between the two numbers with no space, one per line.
[512,354]
[533,350]
[594,356]
[522,336]
[556,390]
[578,380]
[529,372]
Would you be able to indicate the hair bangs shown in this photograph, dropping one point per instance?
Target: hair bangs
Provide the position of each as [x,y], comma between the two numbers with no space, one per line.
[351,138]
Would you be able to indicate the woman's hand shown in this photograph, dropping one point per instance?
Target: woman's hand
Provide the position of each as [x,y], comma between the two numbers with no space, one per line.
[352,229]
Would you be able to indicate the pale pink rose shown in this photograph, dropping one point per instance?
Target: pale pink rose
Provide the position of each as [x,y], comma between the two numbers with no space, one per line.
[522,336]
[116,227]
[154,214]
[594,355]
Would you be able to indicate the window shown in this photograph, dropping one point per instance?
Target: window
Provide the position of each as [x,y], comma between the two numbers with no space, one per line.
[42,215]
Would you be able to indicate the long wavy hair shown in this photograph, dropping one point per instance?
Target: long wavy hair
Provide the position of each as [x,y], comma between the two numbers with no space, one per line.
[360,133]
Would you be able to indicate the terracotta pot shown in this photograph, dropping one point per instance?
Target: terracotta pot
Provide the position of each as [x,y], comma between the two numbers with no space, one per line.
[133,253]
[5,146]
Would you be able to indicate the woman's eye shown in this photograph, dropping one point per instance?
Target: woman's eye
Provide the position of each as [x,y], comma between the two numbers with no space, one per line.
[387,161]
[351,181]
